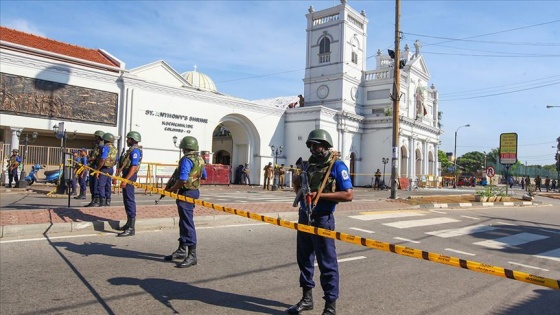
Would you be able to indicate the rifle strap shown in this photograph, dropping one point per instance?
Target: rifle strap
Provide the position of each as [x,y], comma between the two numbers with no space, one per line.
[327,174]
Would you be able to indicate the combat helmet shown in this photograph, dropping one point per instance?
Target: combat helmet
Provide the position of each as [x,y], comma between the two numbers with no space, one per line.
[189,143]
[108,137]
[99,133]
[318,136]
[135,135]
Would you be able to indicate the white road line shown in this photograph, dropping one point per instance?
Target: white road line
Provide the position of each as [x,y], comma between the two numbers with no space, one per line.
[407,240]
[380,216]
[504,223]
[462,231]
[459,252]
[440,212]
[416,223]
[552,255]
[467,217]
[512,240]
[348,259]
[362,230]
[549,231]
[51,238]
[527,266]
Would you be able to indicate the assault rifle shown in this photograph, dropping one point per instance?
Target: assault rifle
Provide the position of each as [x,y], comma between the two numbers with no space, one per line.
[170,183]
[304,190]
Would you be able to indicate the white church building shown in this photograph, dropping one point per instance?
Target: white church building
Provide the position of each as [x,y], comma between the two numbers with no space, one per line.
[45,82]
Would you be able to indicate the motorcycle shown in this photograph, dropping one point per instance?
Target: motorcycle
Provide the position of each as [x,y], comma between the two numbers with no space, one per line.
[50,176]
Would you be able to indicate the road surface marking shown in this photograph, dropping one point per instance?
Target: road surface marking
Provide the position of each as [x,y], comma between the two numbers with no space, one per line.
[504,223]
[380,216]
[459,252]
[467,217]
[462,231]
[552,255]
[527,266]
[51,238]
[347,259]
[416,223]
[362,230]
[440,212]
[512,240]
[406,240]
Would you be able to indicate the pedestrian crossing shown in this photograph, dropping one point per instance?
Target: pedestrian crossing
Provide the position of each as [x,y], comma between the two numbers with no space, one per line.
[508,237]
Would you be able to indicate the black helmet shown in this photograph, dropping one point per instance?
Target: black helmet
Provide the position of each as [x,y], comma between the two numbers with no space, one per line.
[319,136]
[108,137]
[135,135]
[189,143]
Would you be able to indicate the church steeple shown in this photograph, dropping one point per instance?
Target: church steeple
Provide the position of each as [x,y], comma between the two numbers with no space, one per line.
[335,56]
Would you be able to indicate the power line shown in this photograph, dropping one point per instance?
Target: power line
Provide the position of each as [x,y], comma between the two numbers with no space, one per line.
[496,94]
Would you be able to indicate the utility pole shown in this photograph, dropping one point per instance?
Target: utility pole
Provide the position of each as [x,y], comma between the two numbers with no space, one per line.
[396,98]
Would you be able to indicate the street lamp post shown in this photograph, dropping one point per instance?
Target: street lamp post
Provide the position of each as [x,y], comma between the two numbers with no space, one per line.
[22,183]
[175,144]
[61,134]
[275,152]
[455,156]
[384,161]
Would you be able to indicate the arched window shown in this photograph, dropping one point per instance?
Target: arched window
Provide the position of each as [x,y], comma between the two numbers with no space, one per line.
[325,45]
[325,50]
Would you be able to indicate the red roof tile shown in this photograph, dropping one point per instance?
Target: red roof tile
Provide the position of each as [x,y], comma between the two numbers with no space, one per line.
[42,43]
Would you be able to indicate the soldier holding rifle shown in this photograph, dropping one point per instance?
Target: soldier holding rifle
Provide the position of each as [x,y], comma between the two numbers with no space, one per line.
[323,183]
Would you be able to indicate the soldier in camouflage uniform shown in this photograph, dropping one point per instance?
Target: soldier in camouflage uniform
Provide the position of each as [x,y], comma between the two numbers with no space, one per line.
[92,159]
[129,164]
[191,171]
[107,160]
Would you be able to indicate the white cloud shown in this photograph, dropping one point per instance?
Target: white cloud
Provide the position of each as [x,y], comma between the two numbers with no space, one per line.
[24,26]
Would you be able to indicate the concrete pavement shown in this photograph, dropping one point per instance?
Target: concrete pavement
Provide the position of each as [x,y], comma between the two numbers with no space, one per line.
[42,219]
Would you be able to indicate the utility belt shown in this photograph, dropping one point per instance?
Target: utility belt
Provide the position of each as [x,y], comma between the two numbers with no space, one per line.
[184,190]
[315,214]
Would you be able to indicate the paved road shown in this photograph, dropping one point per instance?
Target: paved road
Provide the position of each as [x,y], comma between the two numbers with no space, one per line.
[250,268]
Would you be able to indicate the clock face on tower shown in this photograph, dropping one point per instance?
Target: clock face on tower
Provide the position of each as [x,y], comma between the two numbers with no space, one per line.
[322,91]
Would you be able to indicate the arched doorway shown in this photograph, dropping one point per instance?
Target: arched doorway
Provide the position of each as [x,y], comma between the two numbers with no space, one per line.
[237,142]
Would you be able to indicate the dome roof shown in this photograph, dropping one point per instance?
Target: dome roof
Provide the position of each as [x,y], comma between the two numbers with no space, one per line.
[200,80]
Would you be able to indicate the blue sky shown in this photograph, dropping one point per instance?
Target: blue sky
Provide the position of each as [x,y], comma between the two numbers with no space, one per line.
[496,64]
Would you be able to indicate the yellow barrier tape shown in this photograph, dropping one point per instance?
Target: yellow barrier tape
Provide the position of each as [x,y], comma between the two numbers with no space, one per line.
[348,238]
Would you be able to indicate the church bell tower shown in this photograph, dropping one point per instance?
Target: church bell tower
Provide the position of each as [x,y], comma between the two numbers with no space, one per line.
[335,57]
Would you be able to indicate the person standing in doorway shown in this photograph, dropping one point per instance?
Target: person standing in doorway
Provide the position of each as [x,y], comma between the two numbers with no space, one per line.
[129,164]
[245,175]
[329,183]
[191,171]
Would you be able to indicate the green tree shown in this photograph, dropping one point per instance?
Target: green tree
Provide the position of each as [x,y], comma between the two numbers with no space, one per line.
[445,163]
[471,162]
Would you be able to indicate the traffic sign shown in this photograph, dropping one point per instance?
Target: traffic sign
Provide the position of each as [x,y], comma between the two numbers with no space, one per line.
[490,171]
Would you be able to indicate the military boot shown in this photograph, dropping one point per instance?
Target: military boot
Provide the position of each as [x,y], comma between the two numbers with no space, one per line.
[126,225]
[330,308]
[94,202]
[180,253]
[101,202]
[190,260]
[108,202]
[80,196]
[305,304]
[130,230]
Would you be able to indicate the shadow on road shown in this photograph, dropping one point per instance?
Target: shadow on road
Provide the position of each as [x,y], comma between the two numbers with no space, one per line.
[88,249]
[165,291]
